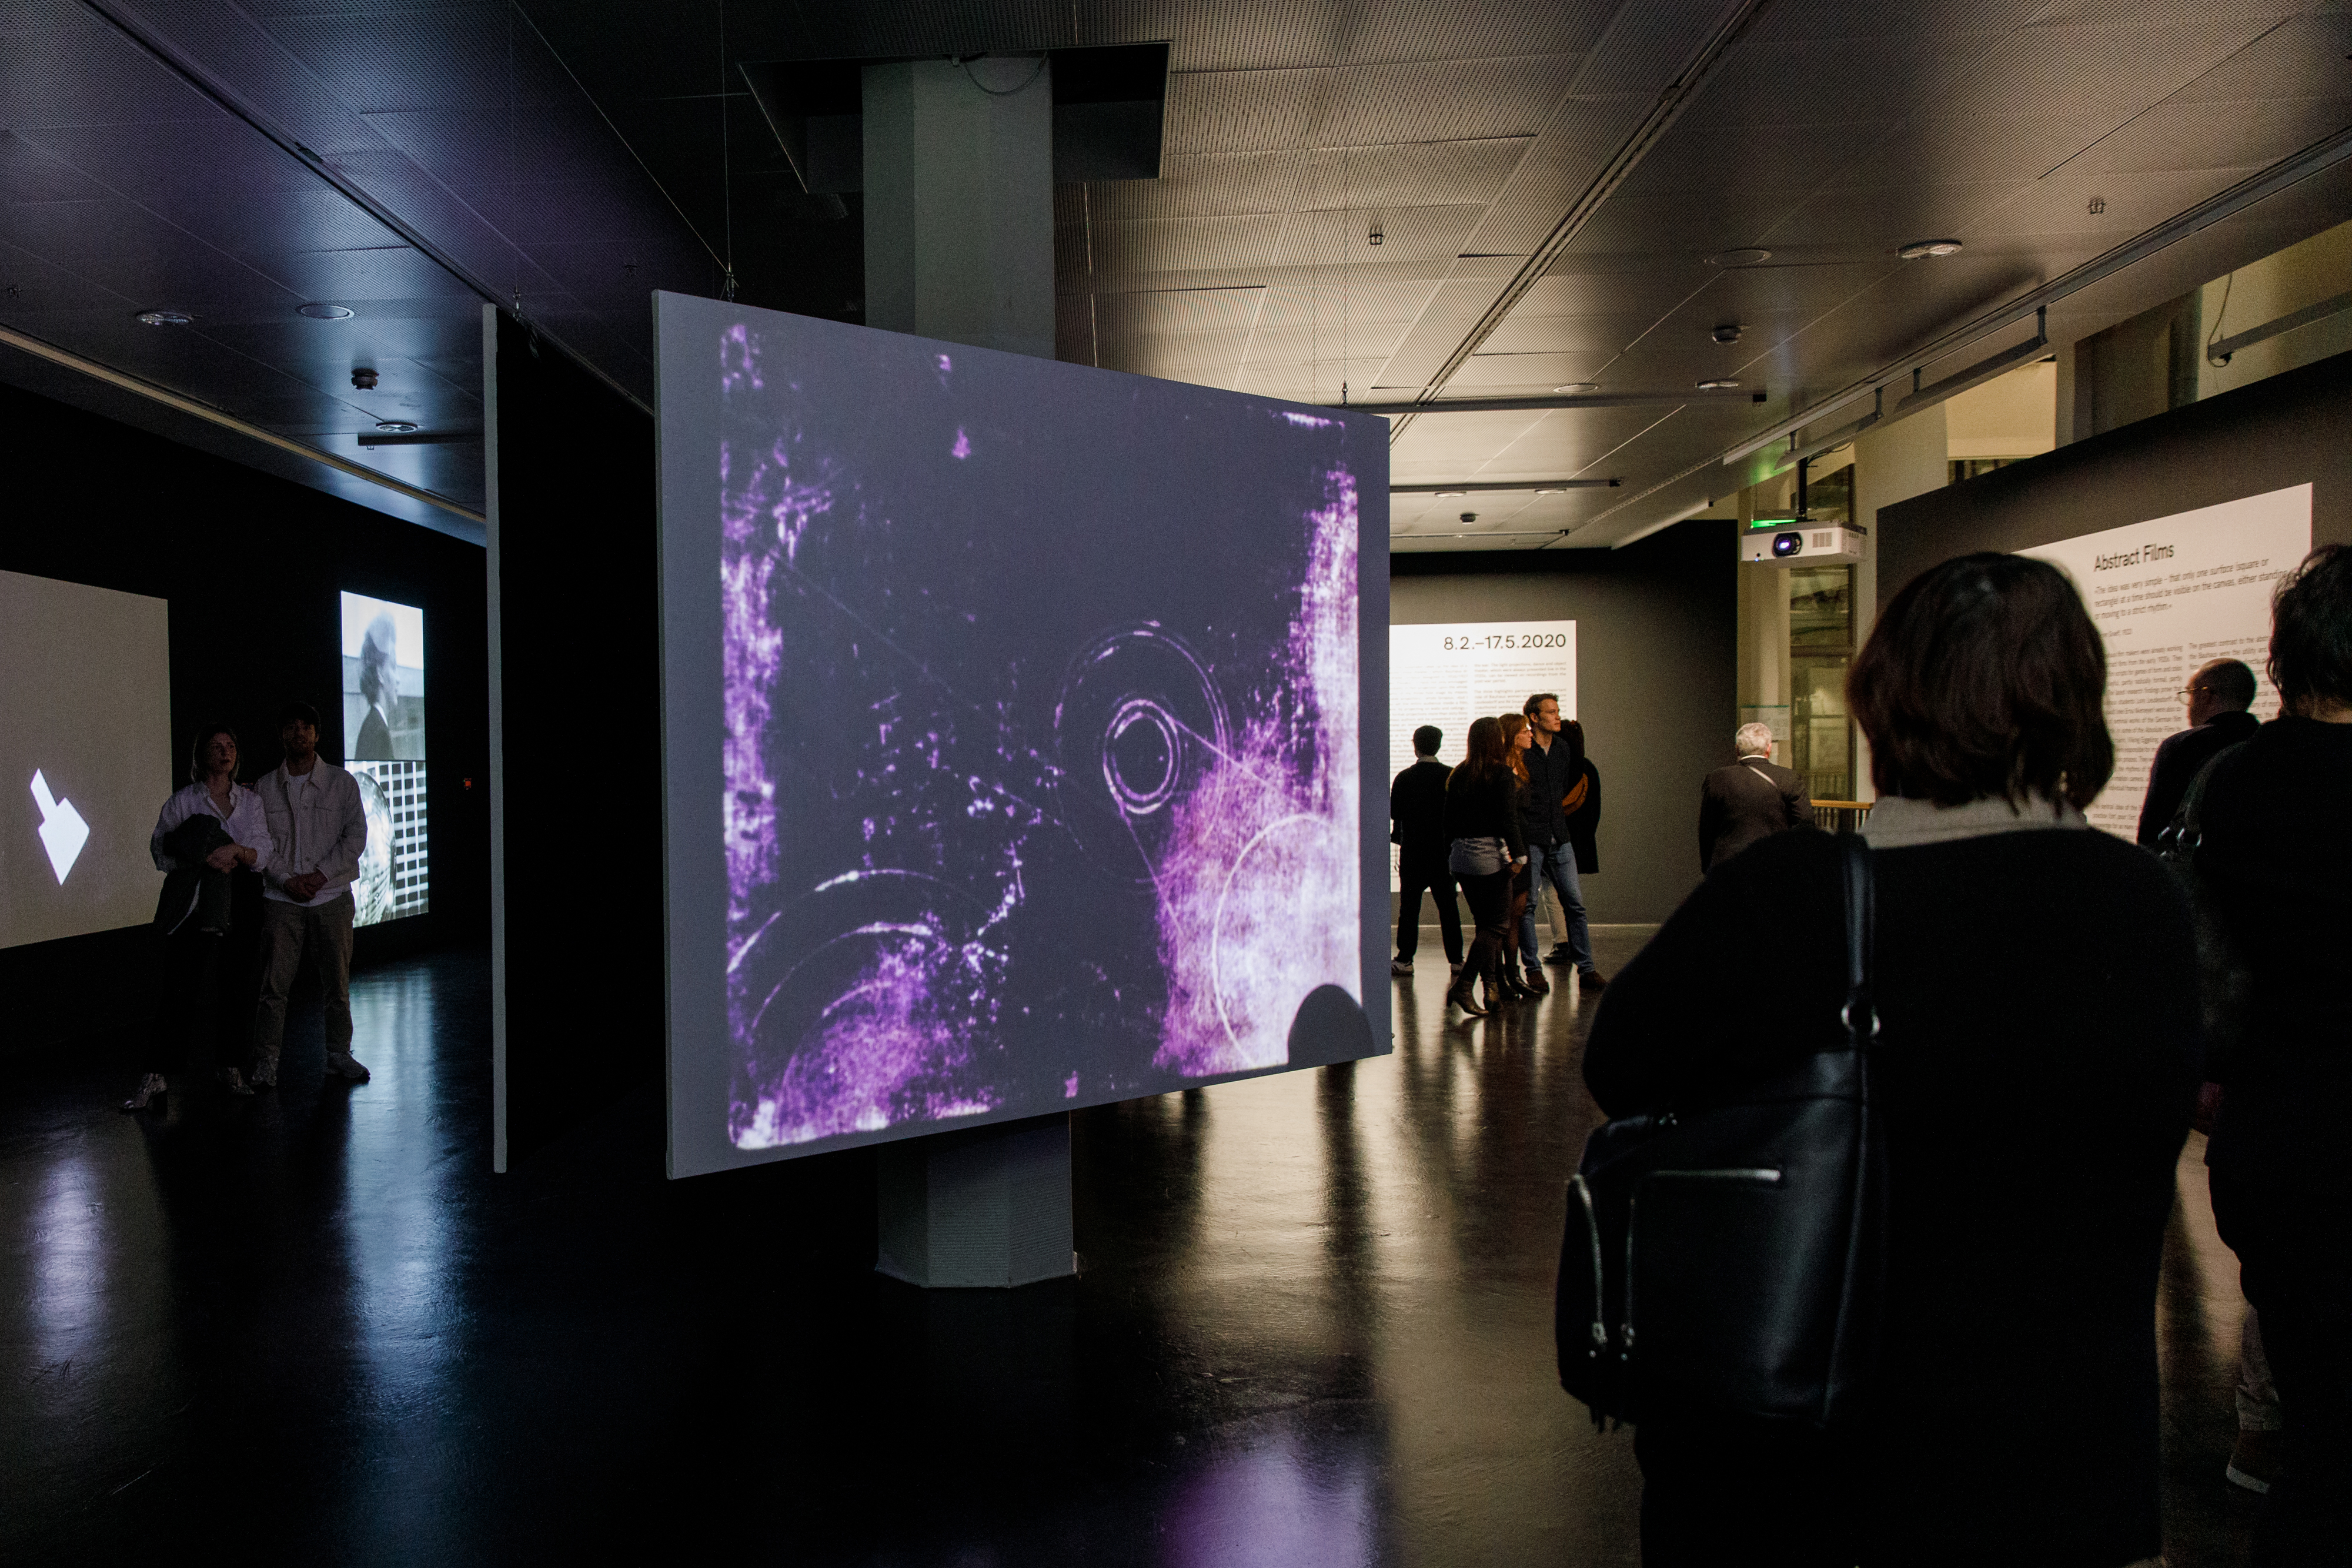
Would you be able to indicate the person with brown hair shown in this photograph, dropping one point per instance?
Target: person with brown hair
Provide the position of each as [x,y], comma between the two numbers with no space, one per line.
[2276,856]
[2034,983]
[1485,852]
[1519,737]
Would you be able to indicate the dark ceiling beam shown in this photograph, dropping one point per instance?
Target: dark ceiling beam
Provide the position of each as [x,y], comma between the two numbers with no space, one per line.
[1671,102]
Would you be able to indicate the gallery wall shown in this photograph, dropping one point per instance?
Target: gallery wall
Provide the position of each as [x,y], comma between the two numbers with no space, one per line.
[2293,429]
[253,567]
[1655,634]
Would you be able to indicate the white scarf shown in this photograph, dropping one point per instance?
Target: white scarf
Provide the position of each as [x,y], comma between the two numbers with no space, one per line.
[1897,823]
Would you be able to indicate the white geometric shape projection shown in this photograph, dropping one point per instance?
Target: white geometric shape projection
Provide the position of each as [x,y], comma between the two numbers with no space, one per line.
[63,832]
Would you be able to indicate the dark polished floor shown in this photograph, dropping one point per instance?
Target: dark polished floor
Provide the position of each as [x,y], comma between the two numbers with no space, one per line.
[1313,1328]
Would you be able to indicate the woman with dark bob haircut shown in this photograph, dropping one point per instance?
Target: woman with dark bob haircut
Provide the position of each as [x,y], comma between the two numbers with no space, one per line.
[2276,853]
[2037,1063]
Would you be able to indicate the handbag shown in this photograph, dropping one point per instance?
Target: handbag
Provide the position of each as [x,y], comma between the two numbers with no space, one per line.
[1727,1259]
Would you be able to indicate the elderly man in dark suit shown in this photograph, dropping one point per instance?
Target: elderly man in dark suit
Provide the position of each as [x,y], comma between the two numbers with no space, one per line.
[2218,696]
[1750,800]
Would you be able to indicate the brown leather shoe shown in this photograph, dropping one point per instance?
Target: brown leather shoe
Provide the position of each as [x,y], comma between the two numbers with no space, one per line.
[1536,983]
[1590,982]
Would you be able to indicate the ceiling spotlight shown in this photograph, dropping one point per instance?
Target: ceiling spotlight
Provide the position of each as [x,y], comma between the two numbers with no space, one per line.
[325,312]
[1729,332]
[1718,386]
[364,379]
[1579,387]
[1375,237]
[1920,249]
[397,426]
[165,318]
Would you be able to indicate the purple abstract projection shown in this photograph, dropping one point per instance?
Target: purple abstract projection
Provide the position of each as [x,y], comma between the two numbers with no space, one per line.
[1042,745]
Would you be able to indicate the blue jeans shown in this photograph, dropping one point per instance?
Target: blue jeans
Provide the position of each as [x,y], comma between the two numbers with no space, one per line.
[1557,863]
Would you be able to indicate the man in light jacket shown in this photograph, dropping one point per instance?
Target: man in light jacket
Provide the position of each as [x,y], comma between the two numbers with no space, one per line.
[317,829]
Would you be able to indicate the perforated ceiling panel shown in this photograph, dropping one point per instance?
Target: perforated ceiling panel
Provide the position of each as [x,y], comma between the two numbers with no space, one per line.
[1407,198]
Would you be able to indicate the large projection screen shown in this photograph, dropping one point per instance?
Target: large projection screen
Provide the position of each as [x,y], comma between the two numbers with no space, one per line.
[85,756]
[1023,729]
[2169,595]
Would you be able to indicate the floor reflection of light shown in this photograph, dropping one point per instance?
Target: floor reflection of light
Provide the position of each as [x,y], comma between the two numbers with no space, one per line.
[68,1299]
[399,1224]
[1270,1504]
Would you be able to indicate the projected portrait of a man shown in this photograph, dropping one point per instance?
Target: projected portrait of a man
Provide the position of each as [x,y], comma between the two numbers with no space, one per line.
[1042,742]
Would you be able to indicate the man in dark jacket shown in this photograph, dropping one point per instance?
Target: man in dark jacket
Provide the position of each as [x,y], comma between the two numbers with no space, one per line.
[1555,768]
[1416,826]
[1748,800]
[2218,696]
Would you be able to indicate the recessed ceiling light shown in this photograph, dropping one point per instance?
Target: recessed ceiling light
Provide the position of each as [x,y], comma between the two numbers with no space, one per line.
[396,426]
[1718,386]
[1920,249]
[1729,331]
[325,312]
[1552,490]
[1746,257]
[165,318]
[1579,387]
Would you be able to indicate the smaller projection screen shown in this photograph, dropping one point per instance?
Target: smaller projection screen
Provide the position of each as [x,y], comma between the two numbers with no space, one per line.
[384,747]
[1023,734]
[85,756]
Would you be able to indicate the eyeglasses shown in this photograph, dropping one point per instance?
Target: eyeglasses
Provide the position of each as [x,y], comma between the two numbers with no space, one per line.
[2185,692]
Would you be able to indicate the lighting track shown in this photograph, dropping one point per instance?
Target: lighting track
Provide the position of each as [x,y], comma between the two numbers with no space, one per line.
[2316,159]
[1671,102]
[173,58]
[1502,486]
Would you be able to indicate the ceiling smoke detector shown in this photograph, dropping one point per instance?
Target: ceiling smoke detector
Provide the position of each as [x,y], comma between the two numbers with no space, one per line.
[1579,387]
[1729,332]
[1718,386]
[1920,249]
[324,312]
[363,379]
[165,318]
[397,426]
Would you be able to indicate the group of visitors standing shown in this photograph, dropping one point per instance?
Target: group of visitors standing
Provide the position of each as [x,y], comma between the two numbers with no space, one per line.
[2046,1009]
[294,839]
[1518,814]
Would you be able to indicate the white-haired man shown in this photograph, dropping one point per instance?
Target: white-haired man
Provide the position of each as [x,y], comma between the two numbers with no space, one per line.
[1750,800]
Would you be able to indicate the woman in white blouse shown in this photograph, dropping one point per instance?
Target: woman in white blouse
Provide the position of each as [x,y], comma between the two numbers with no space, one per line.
[195,929]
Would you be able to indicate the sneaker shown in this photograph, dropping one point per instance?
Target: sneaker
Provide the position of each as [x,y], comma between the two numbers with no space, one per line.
[151,1088]
[2254,1462]
[1400,966]
[234,1082]
[1590,981]
[342,1064]
[264,1075]
[1560,958]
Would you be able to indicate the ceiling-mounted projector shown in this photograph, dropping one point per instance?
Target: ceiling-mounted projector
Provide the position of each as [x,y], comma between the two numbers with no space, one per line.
[1788,540]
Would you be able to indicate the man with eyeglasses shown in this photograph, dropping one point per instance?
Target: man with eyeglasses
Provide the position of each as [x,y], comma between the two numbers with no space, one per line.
[2218,696]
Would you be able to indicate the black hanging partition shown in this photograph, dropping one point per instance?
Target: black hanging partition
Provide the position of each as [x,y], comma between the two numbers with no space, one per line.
[576,934]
